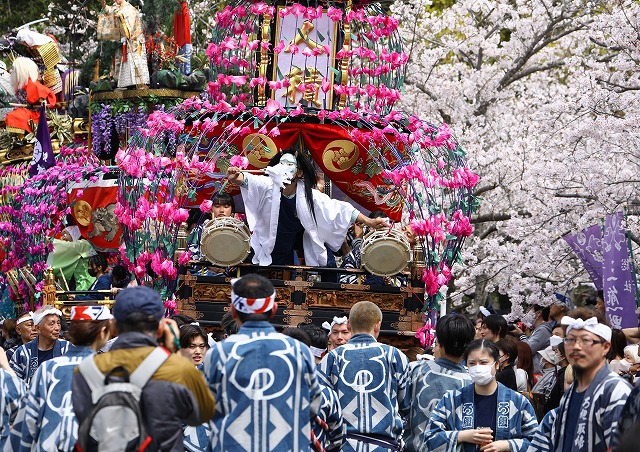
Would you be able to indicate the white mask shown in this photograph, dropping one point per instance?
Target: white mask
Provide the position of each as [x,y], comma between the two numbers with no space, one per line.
[288,161]
[481,374]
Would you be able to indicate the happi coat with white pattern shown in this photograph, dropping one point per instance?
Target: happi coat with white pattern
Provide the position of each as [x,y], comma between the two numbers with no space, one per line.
[46,421]
[24,361]
[13,389]
[428,382]
[515,420]
[541,441]
[265,388]
[328,428]
[600,412]
[370,379]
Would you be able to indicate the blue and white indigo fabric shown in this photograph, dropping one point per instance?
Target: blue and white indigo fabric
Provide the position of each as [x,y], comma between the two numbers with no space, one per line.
[265,389]
[515,420]
[428,382]
[601,410]
[13,390]
[24,361]
[370,379]
[46,421]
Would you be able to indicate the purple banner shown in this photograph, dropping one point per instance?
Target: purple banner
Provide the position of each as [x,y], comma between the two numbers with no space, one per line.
[619,282]
[587,244]
[43,157]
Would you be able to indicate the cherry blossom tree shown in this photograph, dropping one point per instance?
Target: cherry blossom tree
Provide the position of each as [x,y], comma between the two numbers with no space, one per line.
[543,95]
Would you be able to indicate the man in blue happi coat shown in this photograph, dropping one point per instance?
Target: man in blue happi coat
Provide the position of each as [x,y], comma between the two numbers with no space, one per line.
[46,346]
[12,389]
[264,382]
[370,379]
[430,380]
[591,408]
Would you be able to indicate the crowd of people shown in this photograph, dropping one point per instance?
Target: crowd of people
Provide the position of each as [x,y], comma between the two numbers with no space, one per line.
[560,379]
[334,387]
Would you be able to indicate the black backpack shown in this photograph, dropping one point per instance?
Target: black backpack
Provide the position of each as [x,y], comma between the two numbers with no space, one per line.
[115,422]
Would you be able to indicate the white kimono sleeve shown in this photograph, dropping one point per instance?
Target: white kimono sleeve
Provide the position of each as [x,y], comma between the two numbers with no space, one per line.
[334,219]
[262,215]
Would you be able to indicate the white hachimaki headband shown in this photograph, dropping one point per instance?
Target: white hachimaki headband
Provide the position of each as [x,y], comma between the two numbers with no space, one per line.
[317,352]
[38,318]
[251,305]
[591,325]
[25,318]
[335,321]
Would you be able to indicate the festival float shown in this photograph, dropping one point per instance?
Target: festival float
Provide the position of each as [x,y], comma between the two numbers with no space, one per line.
[320,78]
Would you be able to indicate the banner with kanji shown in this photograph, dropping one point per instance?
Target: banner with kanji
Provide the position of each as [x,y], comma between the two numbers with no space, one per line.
[619,283]
[587,244]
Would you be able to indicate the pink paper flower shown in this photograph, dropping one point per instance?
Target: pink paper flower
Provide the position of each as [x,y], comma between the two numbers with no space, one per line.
[426,334]
[334,14]
[184,258]
[274,132]
[273,107]
[239,161]
[206,206]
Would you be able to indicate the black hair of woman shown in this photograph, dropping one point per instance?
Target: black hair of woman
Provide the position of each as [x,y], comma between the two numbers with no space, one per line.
[225,199]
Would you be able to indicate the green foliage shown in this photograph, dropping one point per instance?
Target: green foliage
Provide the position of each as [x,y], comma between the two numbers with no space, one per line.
[440,5]
[18,13]
[105,53]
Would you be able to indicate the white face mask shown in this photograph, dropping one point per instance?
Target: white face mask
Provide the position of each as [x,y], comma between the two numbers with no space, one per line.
[288,163]
[481,374]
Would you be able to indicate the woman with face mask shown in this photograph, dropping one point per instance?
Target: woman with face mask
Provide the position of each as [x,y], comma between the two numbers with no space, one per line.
[484,416]
[545,383]
[558,390]
[508,347]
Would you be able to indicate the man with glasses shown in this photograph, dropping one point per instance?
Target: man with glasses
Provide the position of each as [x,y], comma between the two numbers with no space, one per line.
[590,409]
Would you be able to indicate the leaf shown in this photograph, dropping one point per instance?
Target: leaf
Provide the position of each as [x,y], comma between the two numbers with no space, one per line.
[336,72]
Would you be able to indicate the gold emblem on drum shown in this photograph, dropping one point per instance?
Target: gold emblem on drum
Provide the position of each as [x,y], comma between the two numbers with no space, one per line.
[340,155]
[263,149]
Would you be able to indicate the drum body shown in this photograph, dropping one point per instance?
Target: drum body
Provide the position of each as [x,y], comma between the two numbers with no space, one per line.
[225,241]
[385,253]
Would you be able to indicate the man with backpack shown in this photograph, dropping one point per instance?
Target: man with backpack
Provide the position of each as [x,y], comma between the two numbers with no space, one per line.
[112,412]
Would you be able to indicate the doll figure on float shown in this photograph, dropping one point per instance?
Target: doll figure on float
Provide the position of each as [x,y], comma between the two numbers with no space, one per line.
[29,92]
[122,21]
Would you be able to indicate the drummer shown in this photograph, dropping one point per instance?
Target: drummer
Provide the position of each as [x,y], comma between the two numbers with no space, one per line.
[284,210]
[223,206]
[354,258]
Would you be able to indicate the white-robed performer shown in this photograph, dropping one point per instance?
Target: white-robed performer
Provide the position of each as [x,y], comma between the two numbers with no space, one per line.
[282,207]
